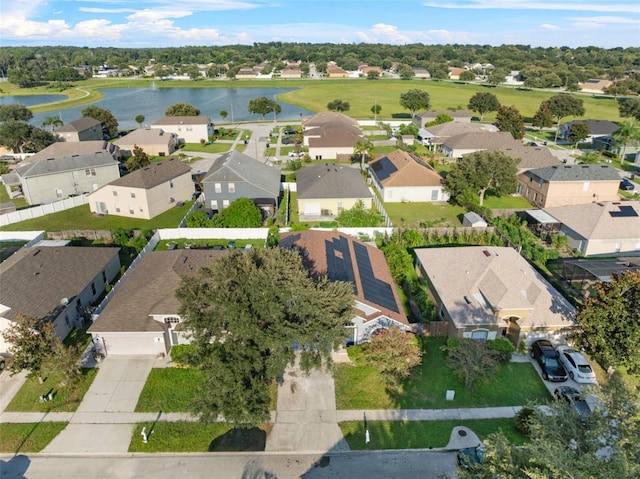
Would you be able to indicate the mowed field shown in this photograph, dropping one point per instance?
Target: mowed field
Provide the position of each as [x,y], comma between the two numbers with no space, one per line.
[361,94]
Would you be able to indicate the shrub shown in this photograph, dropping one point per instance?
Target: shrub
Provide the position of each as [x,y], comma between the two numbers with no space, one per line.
[502,349]
[522,420]
[180,354]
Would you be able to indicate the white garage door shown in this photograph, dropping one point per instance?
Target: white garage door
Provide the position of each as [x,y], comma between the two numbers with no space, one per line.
[312,209]
[134,343]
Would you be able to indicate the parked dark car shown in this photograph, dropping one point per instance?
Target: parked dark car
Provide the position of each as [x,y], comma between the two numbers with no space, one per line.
[627,185]
[287,141]
[470,457]
[547,357]
[290,132]
[572,396]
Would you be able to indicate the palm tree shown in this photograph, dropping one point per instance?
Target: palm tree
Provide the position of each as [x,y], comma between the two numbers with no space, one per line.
[363,149]
[629,132]
[51,121]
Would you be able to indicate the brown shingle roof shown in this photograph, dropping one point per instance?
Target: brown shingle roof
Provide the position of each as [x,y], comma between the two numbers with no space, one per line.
[400,168]
[79,125]
[34,280]
[182,120]
[63,148]
[150,289]
[154,174]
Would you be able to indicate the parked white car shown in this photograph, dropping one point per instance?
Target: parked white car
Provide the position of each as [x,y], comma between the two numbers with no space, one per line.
[296,154]
[576,365]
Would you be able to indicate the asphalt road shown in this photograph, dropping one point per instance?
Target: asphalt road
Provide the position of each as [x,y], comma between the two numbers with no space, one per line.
[352,465]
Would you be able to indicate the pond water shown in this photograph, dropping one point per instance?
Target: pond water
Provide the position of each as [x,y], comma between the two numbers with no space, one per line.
[127,103]
[30,100]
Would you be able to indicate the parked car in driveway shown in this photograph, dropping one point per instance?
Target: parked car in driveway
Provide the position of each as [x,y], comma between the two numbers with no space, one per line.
[470,457]
[290,132]
[574,397]
[627,185]
[547,357]
[296,154]
[576,365]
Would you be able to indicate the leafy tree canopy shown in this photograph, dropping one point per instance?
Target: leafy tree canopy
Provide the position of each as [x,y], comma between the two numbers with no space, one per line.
[359,216]
[338,105]
[578,132]
[104,116]
[241,213]
[139,159]
[562,105]
[263,106]
[393,352]
[414,100]
[32,340]
[20,137]
[480,171]
[483,102]
[16,112]
[182,109]
[509,119]
[610,319]
[629,107]
[139,119]
[246,312]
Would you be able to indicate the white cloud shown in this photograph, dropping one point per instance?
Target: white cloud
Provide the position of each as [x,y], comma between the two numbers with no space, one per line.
[390,32]
[154,16]
[548,26]
[105,10]
[585,6]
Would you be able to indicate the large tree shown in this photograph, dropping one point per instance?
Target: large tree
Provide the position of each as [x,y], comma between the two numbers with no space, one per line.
[480,171]
[629,107]
[629,133]
[182,109]
[139,159]
[578,132]
[563,105]
[263,106]
[104,116]
[15,112]
[542,118]
[414,100]
[247,312]
[610,321]
[338,105]
[21,137]
[509,119]
[483,102]
[393,352]
[51,121]
[32,340]
[241,213]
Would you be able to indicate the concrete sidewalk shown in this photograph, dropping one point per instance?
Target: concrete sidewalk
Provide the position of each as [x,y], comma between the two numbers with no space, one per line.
[428,414]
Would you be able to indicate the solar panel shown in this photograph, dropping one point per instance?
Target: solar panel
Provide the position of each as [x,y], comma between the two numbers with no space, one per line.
[384,168]
[339,265]
[375,290]
[625,211]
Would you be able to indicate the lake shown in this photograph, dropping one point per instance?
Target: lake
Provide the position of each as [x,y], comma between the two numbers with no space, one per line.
[127,103]
[31,100]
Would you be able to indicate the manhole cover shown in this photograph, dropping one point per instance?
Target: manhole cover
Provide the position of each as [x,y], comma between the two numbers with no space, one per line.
[462,433]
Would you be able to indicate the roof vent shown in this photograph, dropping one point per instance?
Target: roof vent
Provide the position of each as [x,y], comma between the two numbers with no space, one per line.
[486,253]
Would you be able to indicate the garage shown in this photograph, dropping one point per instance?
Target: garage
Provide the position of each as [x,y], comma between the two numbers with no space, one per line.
[132,343]
[312,209]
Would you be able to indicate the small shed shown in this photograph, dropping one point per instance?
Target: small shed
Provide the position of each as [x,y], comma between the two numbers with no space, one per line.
[473,220]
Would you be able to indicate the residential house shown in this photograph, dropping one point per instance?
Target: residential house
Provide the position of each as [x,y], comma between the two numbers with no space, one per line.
[513,78]
[595,86]
[60,149]
[334,71]
[143,316]
[188,129]
[600,229]
[364,69]
[421,73]
[325,189]
[331,135]
[400,176]
[340,257]
[146,192]
[563,185]
[153,141]
[53,179]
[455,72]
[459,116]
[55,283]
[246,74]
[235,175]
[83,129]
[597,129]
[291,72]
[488,292]
[436,134]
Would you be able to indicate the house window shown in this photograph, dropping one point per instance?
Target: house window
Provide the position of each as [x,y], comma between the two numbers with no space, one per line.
[104,276]
[171,321]
[58,193]
[540,183]
[90,172]
[225,203]
[480,335]
[130,210]
[232,187]
[585,186]
[170,183]
[133,193]
[442,311]
[115,192]
[218,187]
[117,209]
[434,195]
[93,288]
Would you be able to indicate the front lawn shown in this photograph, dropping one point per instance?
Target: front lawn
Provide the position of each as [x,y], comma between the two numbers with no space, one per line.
[64,400]
[80,218]
[28,437]
[420,434]
[362,387]
[173,390]
[198,437]
[214,147]
[506,202]
[429,214]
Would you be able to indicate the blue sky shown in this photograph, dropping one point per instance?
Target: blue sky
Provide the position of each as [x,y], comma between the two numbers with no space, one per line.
[164,23]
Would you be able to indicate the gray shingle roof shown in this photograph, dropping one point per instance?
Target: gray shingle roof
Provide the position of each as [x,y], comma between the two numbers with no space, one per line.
[78,125]
[35,280]
[153,174]
[596,127]
[63,148]
[67,163]
[236,167]
[150,289]
[328,180]
[577,173]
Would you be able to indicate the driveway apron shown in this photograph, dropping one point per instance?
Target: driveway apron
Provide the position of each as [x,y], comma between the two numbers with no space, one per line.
[95,428]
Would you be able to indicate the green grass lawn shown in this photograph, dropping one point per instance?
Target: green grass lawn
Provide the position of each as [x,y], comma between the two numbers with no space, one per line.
[28,437]
[413,214]
[81,217]
[420,434]
[173,389]
[214,147]
[506,202]
[64,400]
[198,437]
[362,387]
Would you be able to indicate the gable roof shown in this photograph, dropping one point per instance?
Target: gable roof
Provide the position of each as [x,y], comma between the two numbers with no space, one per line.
[145,136]
[236,167]
[153,174]
[323,118]
[328,180]
[400,168]
[67,163]
[150,289]
[340,257]
[35,280]
[64,148]
[451,113]
[479,140]
[474,281]
[332,135]
[78,125]
[451,128]
[612,220]
[596,127]
[577,173]
[182,120]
